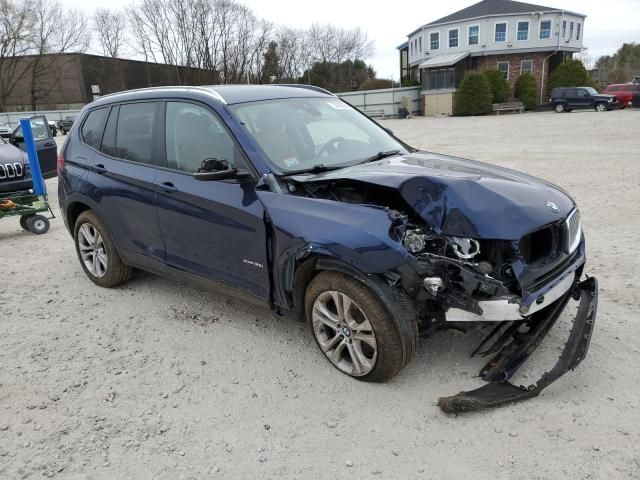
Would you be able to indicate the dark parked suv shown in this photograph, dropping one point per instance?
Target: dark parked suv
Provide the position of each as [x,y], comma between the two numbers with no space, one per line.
[289,197]
[568,99]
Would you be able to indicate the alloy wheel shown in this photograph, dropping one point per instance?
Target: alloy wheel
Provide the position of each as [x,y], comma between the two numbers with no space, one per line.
[344,333]
[601,107]
[92,250]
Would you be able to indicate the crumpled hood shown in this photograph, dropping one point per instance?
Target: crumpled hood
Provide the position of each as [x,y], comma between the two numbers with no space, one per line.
[462,197]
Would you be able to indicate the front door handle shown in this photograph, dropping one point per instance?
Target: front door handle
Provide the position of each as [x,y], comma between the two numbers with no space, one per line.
[50,144]
[167,187]
[99,169]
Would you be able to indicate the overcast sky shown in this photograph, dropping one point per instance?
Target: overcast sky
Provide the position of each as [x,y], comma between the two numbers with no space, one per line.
[609,23]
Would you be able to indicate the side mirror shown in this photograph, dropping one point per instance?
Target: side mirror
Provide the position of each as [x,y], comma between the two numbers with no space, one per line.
[237,173]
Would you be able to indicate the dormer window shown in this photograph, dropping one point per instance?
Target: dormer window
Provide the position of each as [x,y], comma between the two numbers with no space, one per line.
[523,31]
[453,38]
[545,29]
[500,32]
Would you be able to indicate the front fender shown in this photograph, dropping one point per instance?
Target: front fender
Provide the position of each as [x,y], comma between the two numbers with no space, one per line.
[355,235]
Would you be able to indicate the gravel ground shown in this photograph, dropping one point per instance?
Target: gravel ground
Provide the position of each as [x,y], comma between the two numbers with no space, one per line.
[159,380]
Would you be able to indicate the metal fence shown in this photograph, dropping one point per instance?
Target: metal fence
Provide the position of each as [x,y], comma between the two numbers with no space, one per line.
[383,102]
[13,118]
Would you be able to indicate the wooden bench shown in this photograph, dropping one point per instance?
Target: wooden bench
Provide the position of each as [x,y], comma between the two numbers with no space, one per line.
[508,107]
[375,113]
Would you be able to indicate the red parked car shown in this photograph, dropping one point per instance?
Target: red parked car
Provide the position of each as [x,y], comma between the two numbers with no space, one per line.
[623,91]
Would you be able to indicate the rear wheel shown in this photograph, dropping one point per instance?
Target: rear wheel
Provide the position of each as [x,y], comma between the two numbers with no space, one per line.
[601,107]
[23,222]
[559,108]
[353,329]
[97,253]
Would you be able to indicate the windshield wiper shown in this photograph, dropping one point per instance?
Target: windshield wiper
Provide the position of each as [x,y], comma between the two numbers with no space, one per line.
[380,156]
[319,168]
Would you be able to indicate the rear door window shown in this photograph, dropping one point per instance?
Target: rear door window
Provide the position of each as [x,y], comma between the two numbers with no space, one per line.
[93,126]
[129,132]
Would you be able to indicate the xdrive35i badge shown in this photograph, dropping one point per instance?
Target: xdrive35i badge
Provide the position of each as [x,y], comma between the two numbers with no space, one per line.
[553,207]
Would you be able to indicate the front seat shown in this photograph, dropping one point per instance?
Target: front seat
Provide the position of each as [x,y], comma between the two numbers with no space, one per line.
[273,137]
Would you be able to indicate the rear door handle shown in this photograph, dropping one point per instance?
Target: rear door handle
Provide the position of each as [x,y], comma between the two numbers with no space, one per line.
[167,187]
[99,168]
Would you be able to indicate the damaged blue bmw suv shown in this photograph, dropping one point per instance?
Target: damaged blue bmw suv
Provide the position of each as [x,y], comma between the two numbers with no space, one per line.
[287,196]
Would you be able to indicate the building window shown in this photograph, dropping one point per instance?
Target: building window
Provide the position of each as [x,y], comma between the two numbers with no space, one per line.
[453,38]
[420,44]
[523,31]
[435,40]
[564,29]
[411,48]
[545,29]
[504,68]
[526,66]
[474,34]
[439,78]
[501,32]
[578,29]
[570,30]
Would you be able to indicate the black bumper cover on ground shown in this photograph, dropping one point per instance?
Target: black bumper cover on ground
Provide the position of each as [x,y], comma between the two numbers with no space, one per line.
[501,391]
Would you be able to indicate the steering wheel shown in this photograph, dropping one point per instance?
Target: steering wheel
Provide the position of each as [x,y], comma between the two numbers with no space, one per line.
[330,146]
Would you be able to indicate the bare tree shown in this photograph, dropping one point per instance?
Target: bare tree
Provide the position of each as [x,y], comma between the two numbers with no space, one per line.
[330,43]
[56,30]
[16,24]
[110,25]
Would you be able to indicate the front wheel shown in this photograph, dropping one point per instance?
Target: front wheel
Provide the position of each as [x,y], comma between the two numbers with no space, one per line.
[601,107]
[353,329]
[97,253]
[559,108]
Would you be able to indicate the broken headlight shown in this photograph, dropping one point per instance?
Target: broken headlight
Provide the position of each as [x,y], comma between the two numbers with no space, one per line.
[416,241]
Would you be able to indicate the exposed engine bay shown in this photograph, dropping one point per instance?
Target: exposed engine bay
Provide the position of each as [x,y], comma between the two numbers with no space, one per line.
[456,272]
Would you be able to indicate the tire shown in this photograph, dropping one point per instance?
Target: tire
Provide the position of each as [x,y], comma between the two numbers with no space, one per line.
[37,224]
[600,107]
[368,334]
[23,222]
[559,108]
[97,252]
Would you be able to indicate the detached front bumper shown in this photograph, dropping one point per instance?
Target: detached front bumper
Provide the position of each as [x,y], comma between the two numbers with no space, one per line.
[513,347]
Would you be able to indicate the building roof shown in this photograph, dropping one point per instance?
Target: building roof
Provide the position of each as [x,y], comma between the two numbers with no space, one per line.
[492,7]
[488,8]
[445,60]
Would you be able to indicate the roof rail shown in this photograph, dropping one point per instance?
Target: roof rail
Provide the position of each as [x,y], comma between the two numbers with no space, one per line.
[203,88]
[306,87]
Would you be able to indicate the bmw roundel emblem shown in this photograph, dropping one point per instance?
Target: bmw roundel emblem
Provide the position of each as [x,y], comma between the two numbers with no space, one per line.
[553,207]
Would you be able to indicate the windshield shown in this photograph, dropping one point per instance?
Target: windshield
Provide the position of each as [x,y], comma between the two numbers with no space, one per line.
[298,134]
[591,90]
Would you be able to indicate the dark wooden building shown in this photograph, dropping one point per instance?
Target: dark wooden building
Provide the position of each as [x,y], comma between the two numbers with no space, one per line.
[70,80]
